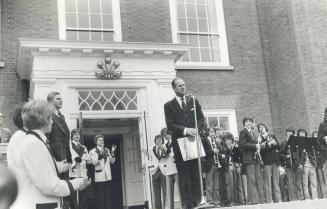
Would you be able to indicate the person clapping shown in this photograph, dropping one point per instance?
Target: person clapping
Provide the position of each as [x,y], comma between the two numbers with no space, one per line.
[101,158]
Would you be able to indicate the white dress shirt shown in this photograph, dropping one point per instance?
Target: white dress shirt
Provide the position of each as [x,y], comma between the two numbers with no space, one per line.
[179,100]
[34,168]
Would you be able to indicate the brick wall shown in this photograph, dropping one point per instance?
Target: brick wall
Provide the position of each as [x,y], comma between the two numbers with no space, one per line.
[145,21]
[294,38]
[21,19]
[312,27]
[245,89]
[278,49]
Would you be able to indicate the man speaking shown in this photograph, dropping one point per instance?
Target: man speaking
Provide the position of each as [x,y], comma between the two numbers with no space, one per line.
[179,114]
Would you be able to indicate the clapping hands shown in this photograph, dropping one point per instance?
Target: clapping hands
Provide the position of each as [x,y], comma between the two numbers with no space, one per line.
[113,148]
[63,166]
[80,183]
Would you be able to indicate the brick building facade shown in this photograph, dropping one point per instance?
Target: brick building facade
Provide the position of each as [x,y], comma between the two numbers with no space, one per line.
[277,50]
[271,62]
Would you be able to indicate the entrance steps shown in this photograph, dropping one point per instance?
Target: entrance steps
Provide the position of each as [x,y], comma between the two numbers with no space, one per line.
[304,204]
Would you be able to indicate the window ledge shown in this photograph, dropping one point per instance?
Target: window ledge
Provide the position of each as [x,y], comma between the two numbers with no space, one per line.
[203,66]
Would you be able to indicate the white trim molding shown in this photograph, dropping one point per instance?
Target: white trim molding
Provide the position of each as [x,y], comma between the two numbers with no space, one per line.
[230,113]
[65,56]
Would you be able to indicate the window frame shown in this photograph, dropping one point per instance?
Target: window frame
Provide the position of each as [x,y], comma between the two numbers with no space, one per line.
[224,64]
[117,31]
[230,113]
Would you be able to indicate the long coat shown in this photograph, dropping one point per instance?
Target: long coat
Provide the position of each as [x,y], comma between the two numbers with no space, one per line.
[59,139]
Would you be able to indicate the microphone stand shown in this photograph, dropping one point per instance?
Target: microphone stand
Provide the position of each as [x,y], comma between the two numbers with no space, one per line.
[147,166]
[203,203]
[300,172]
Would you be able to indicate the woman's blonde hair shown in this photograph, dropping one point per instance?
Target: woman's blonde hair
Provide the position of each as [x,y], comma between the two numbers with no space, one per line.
[37,114]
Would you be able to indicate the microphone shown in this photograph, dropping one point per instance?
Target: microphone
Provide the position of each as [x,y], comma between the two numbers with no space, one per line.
[189,94]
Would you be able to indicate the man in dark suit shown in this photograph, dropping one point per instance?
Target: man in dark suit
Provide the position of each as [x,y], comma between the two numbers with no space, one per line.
[179,113]
[58,139]
[250,149]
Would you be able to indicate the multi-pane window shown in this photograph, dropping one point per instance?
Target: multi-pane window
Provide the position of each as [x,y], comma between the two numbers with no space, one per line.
[218,121]
[89,20]
[225,119]
[200,24]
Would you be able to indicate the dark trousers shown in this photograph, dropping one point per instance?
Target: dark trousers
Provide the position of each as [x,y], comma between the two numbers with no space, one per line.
[271,181]
[292,192]
[298,184]
[66,200]
[103,194]
[159,184]
[283,184]
[170,184]
[254,183]
[81,204]
[227,187]
[212,184]
[189,183]
[240,187]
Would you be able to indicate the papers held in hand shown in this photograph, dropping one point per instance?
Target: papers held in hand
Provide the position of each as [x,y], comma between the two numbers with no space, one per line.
[188,147]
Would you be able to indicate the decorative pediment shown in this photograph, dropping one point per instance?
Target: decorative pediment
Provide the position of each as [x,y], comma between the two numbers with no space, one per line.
[74,59]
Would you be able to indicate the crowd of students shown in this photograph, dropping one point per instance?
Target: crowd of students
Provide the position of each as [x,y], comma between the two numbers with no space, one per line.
[255,168]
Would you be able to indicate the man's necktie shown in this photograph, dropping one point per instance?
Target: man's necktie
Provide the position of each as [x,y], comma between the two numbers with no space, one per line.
[183,103]
[158,152]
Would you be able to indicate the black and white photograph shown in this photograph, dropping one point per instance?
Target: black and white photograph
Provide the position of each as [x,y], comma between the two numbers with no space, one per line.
[163,104]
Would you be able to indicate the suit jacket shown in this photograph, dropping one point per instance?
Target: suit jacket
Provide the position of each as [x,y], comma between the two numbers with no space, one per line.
[102,170]
[209,158]
[79,169]
[247,146]
[270,153]
[226,151]
[159,161]
[59,139]
[322,132]
[178,119]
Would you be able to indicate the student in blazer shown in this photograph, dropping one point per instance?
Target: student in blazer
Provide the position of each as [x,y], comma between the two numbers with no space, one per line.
[158,172]
[249,146]
[101,158]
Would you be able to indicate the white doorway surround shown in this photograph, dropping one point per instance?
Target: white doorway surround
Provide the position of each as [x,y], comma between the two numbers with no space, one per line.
[69,68]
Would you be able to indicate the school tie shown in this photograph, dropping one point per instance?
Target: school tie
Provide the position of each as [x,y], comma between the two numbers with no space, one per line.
[183,103]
